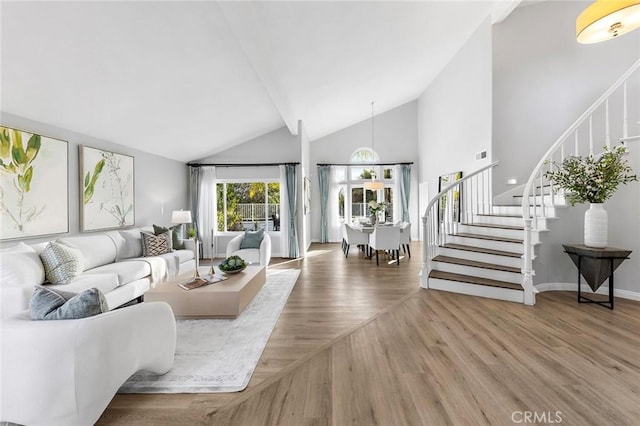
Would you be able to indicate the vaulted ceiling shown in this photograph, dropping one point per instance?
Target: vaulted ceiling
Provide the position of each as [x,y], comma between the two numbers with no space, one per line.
[188,79]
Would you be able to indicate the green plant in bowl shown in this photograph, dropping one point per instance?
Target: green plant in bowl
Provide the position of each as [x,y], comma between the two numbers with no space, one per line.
[233,264]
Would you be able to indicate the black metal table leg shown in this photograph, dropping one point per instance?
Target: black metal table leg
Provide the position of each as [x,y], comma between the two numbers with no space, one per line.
[579,275]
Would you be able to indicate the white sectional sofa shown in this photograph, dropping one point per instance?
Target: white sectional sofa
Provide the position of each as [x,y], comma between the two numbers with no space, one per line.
[112,262]
[65,372]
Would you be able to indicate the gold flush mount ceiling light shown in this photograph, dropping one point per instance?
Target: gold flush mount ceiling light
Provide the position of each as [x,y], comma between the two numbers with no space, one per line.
[607,19]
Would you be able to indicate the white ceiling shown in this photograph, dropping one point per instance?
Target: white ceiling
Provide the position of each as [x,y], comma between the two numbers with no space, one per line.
[188,79]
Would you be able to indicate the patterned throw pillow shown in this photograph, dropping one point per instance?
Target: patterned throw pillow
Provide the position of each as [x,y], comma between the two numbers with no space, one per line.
[54,304]
[252,239]
[61,263]
[176,235]
[154,245]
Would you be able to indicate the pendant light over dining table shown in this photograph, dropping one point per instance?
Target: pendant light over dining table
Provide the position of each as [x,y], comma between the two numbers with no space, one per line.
[373,184]
[607,19]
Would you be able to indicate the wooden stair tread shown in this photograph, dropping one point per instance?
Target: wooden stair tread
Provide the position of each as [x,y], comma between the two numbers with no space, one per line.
[473,280]
[487,237]
[475,263]
[482,250]
[496,226]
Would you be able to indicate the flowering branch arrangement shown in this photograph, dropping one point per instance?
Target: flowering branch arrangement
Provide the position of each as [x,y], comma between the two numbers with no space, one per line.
[592,179]
[375,207]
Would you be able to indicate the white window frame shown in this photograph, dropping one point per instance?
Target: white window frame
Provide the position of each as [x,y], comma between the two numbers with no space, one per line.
[266,202]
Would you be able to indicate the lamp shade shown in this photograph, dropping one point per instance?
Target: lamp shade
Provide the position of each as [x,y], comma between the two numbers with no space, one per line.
[373,185]
[181,216]
[606,19]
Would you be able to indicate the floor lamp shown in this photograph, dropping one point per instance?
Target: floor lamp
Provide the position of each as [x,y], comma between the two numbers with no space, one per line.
[182,217]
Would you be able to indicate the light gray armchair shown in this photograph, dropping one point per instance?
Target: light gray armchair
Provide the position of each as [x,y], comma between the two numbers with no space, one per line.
[261,255]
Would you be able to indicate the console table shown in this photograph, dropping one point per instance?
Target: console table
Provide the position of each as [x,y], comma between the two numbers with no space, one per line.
[596,265]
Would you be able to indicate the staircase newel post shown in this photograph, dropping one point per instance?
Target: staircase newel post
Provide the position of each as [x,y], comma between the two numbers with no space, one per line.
[527,281]
[426,249]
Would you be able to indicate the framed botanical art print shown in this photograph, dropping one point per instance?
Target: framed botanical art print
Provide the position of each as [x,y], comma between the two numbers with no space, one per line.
[107,193]
[34,185]
[307,196]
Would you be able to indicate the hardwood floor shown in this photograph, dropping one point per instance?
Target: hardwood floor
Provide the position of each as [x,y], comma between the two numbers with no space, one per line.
[362,345]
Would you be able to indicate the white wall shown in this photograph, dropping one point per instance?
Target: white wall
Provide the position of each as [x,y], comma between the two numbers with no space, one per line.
[543,80]
[308,172]
[279,146]
[396,140]
[160,183]
[454,117]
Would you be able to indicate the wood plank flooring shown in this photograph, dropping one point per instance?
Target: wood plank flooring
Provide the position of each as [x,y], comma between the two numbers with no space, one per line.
[362,345]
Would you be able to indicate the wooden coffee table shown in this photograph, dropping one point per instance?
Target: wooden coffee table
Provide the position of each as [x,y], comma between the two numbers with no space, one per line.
[224,299]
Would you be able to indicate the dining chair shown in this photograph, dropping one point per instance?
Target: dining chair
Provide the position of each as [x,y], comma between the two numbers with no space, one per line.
[353,236]
[386,238]
[405,237]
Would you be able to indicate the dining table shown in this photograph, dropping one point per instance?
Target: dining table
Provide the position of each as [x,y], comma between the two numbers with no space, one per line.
[368,229]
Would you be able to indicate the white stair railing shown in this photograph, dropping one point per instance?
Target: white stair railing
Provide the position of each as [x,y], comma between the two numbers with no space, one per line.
[456,203]
[581,138]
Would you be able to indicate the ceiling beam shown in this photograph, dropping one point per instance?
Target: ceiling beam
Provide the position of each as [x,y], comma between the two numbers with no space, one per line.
[502,9]
[245,27]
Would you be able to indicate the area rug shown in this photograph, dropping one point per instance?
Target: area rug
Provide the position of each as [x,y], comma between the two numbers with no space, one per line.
[220,355]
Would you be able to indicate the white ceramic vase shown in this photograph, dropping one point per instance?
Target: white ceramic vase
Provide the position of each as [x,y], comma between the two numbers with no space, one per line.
[596,223]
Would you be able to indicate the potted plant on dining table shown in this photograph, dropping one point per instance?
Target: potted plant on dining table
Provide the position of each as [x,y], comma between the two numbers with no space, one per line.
[375,208]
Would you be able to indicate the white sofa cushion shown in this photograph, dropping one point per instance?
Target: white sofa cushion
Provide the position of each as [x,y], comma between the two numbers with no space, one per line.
[20,266]
[133,244]
[103,282]
[20,271]
[184,255]
[127,270]
[96,250]
[249,255]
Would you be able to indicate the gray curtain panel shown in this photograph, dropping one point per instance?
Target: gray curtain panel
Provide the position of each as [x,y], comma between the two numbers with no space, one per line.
[194,193]
[405,190]
[324,173]
[292,194]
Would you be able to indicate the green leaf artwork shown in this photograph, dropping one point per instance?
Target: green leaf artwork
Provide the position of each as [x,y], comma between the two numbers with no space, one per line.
[107,189]
[17,162]
[90,181]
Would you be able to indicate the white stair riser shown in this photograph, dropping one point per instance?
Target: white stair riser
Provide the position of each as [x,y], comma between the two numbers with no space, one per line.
[508,221]
[547,199]
[499,220]
[495,245]
[477,290]
[494,232]
[550,211]
[515,262]
[472,271]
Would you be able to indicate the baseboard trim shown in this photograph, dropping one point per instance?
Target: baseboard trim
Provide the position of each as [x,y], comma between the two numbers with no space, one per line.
[623,294]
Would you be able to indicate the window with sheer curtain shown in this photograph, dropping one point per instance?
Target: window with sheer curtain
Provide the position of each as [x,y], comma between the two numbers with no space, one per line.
[248,205]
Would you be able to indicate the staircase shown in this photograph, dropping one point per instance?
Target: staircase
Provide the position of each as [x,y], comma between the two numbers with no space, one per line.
[473,246]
